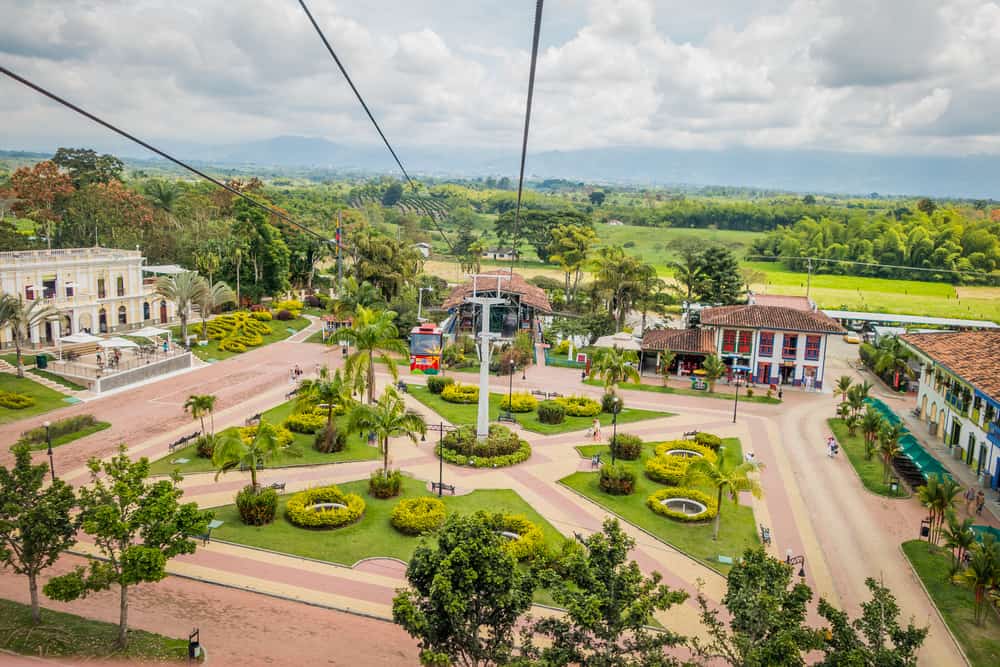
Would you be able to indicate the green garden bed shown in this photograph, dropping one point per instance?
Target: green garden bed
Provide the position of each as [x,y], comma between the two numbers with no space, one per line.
[738,529]
[67,635]
[465,413]
[869,470]
[357,449]
[211,351]
[45,399]
[681,391]
[75,435]
[981,643]
[372,536]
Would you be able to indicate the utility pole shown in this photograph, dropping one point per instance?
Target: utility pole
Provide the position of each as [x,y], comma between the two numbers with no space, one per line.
[340,258]
[809,272]
[485,340]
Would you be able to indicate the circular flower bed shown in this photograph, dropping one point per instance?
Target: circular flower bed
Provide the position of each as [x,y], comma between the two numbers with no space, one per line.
[664,449]
[656,502]
[579,406]
[501,448]
[415,516]
[524,539]
[324,507]
[667,468]
[460,393]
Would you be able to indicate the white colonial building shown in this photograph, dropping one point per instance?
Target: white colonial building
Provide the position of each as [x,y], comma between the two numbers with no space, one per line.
[96,290]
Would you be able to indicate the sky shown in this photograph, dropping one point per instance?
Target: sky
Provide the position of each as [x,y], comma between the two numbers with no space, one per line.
[878,77]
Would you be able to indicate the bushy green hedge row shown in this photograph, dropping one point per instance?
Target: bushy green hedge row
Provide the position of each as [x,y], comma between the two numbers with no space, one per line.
[57,429]
[416,516]
[550,412]
[653,502]
[522,454]
[436,384]
[460,393]
[382,484]
[626,446]
[520,402]
[257,507]
[305,422]
[500,441]
[298,511]
[617,480]
[12,401]
[530,540]
[579,406]
[708,440]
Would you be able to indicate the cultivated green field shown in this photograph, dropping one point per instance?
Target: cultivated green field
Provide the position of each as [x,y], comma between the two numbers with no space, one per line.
[651,243]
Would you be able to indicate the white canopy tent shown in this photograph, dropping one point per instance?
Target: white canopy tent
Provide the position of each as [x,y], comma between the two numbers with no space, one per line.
[80,338]
[150,332]
[622,340]
[117,342]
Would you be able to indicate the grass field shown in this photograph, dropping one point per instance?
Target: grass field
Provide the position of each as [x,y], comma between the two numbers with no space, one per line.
[457,413]
[981,643]
[58,379]
[357,449]
[652,243]
[211,351]
[45,399]
[738,529]
[373,535]
[869,470]
[66,635]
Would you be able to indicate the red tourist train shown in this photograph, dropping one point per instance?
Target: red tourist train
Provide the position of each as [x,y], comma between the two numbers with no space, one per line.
[425,349]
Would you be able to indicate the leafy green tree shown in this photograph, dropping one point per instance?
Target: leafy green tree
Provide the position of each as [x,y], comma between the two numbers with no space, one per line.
[22,319]
[844,383]
[893,358]
[982,573]
[36,525]
[871,425]
[163,194]
[86,167]
[385,262]
[724,479]
[200,405]
[609,607]
[666,359]
[721,281]
[767,616]
[392,194]
[232,451]
[714,369]
[332,391]
[535,227]
[208,299]
[875,638]
[372,333]
[622,279]
[353,294]
[615,366]
[465,595]
[888,442]
[570,249]
[597,197]
[958,537]
[688,268]
[938,496]
[389,418]
[266,251]
[185,290]
[137,525]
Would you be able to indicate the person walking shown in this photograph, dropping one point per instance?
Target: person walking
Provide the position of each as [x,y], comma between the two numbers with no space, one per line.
[970,497]
[831,446]
[595,429]
[980,502]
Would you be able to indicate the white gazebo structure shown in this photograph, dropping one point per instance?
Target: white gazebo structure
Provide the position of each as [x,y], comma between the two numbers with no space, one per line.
[117,342]
[150,333]
[80,338]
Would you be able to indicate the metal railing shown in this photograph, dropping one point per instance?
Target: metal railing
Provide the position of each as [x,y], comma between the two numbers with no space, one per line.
[91,371]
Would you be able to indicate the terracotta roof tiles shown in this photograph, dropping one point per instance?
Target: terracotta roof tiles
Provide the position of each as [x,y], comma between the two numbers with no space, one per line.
[693,341]
[515,284]
[973,355]
[770,317]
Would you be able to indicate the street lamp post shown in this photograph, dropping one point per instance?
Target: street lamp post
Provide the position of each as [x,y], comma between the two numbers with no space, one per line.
[615,402]
[420,301]
[796,560]
[440,428]
[736,399]
[48,441]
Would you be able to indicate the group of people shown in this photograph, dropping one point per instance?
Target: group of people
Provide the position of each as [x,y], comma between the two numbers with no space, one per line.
[972,496]
[294,373]
[114,357]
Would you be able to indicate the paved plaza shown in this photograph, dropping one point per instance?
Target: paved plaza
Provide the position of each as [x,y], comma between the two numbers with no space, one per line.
[814,505]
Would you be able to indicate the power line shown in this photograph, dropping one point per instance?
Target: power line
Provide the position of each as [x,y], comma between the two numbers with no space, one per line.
[69,105]
[524,142]
[371,117]
[888,266]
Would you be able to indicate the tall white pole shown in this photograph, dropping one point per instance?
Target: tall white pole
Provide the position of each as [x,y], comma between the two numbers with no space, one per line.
[483,414]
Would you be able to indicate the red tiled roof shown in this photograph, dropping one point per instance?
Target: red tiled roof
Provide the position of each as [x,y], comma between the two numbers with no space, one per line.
[514,284]
[796,302]
[770,317]
[973,355]
[694,341]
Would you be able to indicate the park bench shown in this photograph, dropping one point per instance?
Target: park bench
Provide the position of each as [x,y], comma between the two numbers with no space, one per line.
[253,420]
[765,535]
[179,442]
[402,386]
[290,395]
[690,434]
[435,486]
[277,486]
[545,395]
[506,417]
[244,467]
[207,535]
[595,461]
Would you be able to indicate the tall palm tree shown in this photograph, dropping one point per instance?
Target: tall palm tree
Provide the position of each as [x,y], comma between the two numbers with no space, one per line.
[163,194]
[938,496]
[855,400]
[714,369]
[185,290]
[388,418]
[871,426]
[666,358]
[844,383]
[352,294]
[373,333]
[982,573]
[616,366]
[732,481]
[333,391]
[211,298]
[958,536]
[893,357]
[200,405]
[232,451]
[888,441]
[21,319]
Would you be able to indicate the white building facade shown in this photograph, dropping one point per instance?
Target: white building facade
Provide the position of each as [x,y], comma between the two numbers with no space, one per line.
[96,290]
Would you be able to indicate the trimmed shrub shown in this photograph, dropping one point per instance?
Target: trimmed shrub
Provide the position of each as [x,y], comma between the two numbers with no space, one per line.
[205,446]
[460,393]
[285,315]
[664,447]
[416,516]
[627,446]
[294,305]
[282,434]
[304,422]
[530,541]
[520,402]
[708,440]
[300,508]
[579,406]
[12,401]
[329,439]
[313,301]
[256,507]
[667,469]
[228,345]
[617,480]
[261,315]
[562,348]
[58,428]
[607,402]
[436,384]
[653,502]
[501,448]
[551,412]
[385,485]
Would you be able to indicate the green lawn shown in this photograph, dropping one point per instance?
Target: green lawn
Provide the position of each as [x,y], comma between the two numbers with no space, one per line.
[870,471]
[69,384]
[981,643]
[738,529]
[760,396]
[652,244]
[67,635]
[75,435]
[27,358]
[211,351]
[465,413]
[373,535]
[357,449]
[45,399]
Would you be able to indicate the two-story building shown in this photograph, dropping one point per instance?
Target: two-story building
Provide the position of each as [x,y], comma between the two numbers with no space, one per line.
[96,290]
[778,344]
[959,394]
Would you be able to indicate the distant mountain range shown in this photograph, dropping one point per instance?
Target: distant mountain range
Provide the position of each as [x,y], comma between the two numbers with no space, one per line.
[789,170]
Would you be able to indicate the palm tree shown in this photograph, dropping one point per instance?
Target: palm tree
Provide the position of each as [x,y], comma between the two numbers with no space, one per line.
[211,298]
[184,289]
[386,419]
[844,383]
[864,388]
[715,474]
[958,536]
[714,369]
[983,572]
[352,294]
[938,496]
[232,451]
[200,405]
[373,332]
[855,399]
[666,358]
[616,366]
[871,425]
[893,357]
[163,194]
[852,421]
[888,439]
[22,319]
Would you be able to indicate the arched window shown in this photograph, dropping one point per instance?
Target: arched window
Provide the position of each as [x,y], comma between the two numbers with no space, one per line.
[122,315]
[145,310]
[121,286]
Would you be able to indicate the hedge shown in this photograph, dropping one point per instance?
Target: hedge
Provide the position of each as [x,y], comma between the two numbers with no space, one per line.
[530,541]
[626,446]
[436,384]
[522,454]
[305,422]
[579,406]
[416,516]
[607,403]
[550,412]
[298,511]
[671,469]
[282,434]
[257,507]
[501,448]
[664,447]
[521,402]
[709,440]
[385,484]
[262,315]
[461,393]
[58,428]
[617,480]
[9,399]
[653,502]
